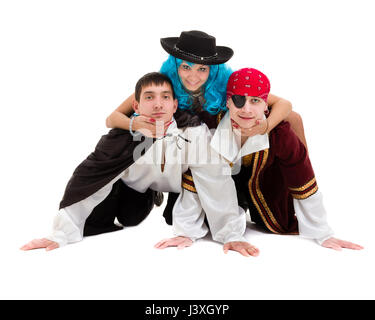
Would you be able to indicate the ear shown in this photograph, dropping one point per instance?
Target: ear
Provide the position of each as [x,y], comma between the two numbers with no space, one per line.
[228,102]
[265,105]
[175,105]
[135,106]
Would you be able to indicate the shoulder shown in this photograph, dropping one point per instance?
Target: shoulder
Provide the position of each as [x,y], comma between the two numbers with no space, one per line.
[282,133]
[284,141]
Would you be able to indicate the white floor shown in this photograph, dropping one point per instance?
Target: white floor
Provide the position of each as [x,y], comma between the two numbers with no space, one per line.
[124,265]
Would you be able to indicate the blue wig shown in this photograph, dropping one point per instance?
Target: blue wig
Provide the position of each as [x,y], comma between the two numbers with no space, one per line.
[214,89]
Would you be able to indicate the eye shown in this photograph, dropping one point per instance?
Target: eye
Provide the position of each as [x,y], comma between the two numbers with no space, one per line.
[255,100]
[166,97]
[185,67]
[239,101]
[148,97]
[203,69]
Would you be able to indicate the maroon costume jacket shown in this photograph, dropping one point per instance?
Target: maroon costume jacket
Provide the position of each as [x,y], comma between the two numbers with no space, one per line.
[271,178]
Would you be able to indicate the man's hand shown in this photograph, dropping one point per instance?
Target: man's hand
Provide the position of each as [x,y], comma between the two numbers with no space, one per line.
[40,243]
[245,248]
[337,244]
[150,127]
[260,127]
[179,242]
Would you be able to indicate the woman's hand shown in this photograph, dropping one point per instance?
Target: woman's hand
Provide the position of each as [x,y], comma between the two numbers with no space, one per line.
[179,242]
[245,248]
[40,243]
[150,127]
[337,244]
[260,127]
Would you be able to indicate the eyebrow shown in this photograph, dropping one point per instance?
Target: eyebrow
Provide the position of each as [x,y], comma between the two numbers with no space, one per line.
[153,92]
[196,64]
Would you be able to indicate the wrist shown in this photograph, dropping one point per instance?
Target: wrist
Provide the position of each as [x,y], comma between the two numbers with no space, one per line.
[266,130]
[133,127]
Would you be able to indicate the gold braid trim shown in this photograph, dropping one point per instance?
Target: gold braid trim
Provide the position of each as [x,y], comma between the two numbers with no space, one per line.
[188,183]
[188,187]
[246,160]
[187,177]
[305,186]
[260,195]
[305,195]
[305,191]
[219,116]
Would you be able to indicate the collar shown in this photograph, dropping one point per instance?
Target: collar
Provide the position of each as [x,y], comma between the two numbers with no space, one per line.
[228,145]
[174,134]
[172,129]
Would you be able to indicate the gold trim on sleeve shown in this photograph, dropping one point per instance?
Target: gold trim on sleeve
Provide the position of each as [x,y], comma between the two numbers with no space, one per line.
[305,186]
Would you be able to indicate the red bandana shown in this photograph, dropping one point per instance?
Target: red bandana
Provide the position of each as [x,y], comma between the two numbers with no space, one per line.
[248,82]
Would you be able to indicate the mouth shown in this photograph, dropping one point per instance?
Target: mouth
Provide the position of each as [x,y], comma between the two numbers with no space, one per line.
[246,118]
[192,84]
[158,114]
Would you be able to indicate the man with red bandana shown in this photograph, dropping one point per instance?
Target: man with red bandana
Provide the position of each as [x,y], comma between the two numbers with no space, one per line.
[273,173]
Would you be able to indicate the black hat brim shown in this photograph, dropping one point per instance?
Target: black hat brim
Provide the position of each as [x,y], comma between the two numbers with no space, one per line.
[223,53]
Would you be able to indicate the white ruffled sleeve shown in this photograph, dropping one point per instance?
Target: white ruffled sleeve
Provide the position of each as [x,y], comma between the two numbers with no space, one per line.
[312,218]
[69,223]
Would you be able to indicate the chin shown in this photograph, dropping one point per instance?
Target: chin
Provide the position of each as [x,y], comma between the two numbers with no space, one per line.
[246,124]
[164,118]
[192,89]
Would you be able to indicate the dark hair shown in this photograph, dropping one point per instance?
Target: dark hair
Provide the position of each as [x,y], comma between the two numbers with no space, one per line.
[155,78]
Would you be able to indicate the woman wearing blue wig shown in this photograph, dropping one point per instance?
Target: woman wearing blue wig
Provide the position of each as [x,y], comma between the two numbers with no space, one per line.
[198,71]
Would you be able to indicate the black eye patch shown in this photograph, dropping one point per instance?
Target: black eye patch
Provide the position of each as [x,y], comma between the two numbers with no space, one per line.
[239,101]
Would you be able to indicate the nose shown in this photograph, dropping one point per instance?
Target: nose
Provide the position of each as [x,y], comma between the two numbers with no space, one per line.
[158,103]
[248,107]
[193,75]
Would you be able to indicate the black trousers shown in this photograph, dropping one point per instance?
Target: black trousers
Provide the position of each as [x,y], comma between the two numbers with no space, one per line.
[129,206]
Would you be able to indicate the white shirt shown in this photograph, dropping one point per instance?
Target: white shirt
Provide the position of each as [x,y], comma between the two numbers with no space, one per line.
[217,191]
[310,212]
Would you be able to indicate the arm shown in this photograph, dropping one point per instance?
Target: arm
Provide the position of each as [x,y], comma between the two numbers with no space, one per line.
[69,223]
[281,109]
[188,224]
[64,230]
[312,218]
[312,223]
[299,176]
[120,117]
[216,193]
[296,124]
[188,216]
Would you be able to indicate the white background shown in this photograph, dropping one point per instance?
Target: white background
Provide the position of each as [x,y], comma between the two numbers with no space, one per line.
[65,65]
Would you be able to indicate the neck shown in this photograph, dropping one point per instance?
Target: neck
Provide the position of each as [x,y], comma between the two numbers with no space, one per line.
[240,138]
[243,140]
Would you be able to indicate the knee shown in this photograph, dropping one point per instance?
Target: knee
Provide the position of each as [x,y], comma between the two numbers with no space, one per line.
[131,220]
[133,214]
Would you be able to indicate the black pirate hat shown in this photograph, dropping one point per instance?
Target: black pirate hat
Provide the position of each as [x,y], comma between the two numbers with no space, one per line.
[197,47]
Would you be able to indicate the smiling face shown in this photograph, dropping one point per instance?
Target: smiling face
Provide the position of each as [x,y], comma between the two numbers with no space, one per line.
[247,116]
[193,76]
[156,101]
